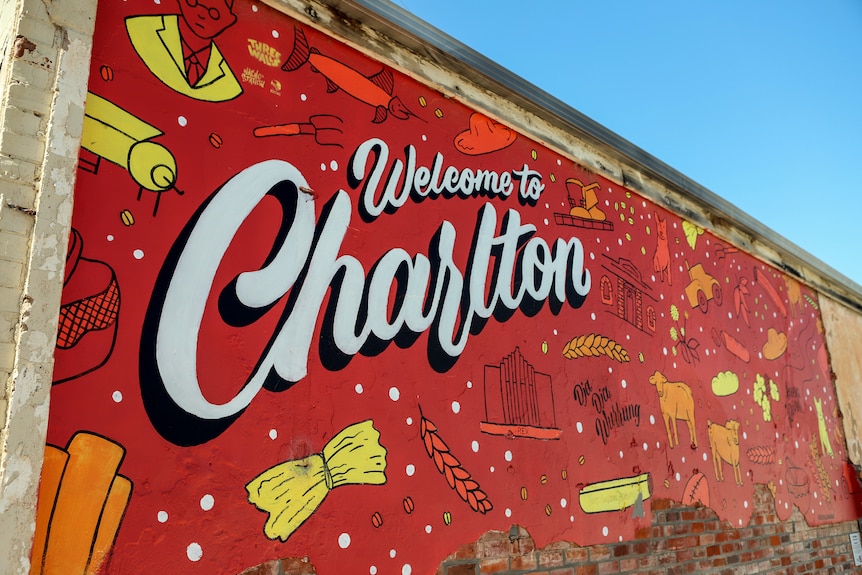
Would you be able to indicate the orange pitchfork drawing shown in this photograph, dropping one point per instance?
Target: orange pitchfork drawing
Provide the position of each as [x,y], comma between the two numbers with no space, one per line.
[325,128]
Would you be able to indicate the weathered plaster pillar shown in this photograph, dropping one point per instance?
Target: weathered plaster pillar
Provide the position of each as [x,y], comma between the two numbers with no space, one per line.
[843,336]
[45,64]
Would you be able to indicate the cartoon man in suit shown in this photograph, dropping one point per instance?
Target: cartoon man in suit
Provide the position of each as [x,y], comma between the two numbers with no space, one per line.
[179,49]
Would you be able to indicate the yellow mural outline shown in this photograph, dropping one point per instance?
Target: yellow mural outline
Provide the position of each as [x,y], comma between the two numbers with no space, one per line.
[157,41]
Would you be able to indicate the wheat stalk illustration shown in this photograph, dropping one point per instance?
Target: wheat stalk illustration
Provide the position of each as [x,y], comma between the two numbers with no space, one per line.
[447,464]
[762,454]
[594,345]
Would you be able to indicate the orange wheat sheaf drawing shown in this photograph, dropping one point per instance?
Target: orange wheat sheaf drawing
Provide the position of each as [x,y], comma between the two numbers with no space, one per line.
[458,478]
[594,345]
[762,454]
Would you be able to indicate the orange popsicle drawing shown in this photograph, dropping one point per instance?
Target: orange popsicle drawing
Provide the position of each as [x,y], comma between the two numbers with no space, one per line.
[375,90]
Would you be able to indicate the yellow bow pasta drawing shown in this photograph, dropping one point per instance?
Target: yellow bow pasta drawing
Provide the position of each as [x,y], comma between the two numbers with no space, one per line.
[291,491]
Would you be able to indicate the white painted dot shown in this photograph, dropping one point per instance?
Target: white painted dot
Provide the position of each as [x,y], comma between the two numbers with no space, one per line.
[745,504]
[410,470]
[359,389]
[117,396]
[333,165]
[646,446]
[492,469]
[469,385]
[605,531]
[456,407]
[683,458]
[475,446]
[303,97]
[657,445]
[182,121]
[273,434]
[546,221]
[580,427]
[624,384]
[110,237]
[621,454]
[572,518]
[508,512]
[677,476]
[593,316]
[322,167]
[394,394]
[652,419]
[373,570]
[564,503]
[424,138]
[162,516]
[194,552]
[407,569]
[207,502]
[344,540]
[275,33]
[555,332]
[139,254]
[508,455]
[392,553]
[704,456]
[254,8]
[409,421]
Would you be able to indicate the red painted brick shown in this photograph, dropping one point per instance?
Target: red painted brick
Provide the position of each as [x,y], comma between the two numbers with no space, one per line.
[524,562]
[684,555]
[682,542]
[462,569]
[586,570]
[610,567]
[551,558]
[643,532]
[620,550]
[659,504]
[599,553]
[494,545]
[577,555]
[467,551]
[569,571]
[493,566]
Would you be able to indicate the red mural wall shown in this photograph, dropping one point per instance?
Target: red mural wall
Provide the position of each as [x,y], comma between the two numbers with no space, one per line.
[313,307]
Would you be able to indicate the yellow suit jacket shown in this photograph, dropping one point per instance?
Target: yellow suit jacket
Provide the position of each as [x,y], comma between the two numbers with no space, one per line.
[156,39]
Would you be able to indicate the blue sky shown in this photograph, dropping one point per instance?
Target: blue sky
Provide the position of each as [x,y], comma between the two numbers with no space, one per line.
[760,102]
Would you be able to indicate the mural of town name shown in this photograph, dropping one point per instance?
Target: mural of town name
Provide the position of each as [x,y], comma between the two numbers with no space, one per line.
[315,308]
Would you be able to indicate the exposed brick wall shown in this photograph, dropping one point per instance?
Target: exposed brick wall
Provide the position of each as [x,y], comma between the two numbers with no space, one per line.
[44,64]
[680,540]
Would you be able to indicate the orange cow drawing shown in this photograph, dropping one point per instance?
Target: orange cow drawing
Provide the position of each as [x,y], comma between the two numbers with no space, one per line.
[676,403]
[724,444]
